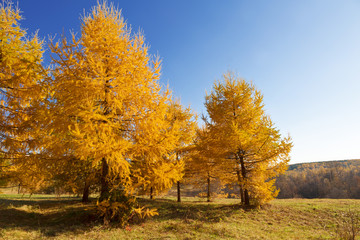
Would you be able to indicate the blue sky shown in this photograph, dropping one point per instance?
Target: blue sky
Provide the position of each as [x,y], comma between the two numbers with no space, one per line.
[304,56]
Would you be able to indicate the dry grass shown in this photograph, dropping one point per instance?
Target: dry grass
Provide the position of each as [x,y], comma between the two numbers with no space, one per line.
[46,217]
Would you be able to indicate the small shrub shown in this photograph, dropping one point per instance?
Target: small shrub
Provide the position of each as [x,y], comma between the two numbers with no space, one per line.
[122,208]
[348,225]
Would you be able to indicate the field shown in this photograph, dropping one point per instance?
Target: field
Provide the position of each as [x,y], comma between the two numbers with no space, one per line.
[50,217]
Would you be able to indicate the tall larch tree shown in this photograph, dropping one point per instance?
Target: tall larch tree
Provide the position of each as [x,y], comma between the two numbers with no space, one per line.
[21,75]
[160,163]
[249,144]
[105,87]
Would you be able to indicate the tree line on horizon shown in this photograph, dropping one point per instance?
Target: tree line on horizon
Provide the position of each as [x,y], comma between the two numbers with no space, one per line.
[97,119]
[335,179]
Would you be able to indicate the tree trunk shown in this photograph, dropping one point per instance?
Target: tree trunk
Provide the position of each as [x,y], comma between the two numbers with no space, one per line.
[241,189]
[242,194]
[86,192]
[105,188]
[208,189]
[178,192]
[247,197]
[178,182]
[151,193]
[243,173]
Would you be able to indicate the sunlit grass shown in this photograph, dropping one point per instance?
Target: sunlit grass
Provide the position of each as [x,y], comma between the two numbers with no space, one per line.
[49,217]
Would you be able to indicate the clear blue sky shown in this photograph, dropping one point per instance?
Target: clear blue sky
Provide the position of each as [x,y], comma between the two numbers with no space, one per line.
[304,56]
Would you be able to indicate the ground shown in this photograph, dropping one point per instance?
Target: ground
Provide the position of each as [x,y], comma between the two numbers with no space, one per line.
[51,217]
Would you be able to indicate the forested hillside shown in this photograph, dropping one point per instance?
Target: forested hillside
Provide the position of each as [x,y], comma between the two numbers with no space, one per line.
[334,179]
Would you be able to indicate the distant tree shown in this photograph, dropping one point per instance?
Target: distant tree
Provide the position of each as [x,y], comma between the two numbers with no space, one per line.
[249,145]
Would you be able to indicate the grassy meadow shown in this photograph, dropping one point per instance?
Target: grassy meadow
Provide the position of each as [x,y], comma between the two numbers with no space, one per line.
[51,217]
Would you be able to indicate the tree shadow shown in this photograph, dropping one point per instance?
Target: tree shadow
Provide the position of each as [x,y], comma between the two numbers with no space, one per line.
[50,217]
[44,203]
[53,217]
[197,211]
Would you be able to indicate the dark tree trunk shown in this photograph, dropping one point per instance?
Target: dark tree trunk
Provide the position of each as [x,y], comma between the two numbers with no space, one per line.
[247,197]
[241,189]
[86,192]
[178,192]
[243,173]
[242,194]
[105,188]
[151,193]
[208,189]
[178,182]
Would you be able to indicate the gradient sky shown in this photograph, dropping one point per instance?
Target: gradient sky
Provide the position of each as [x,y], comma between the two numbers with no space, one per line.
[304,56]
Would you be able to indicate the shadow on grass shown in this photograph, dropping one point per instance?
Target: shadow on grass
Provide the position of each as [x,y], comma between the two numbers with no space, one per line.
[199,211]
[50,217]
[53,217]
[44,203]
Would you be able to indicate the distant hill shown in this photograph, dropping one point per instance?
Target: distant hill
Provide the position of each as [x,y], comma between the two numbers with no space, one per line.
[325,164]
[331,179]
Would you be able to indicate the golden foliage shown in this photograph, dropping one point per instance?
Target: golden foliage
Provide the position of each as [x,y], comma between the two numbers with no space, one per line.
[21,75]
[160,163]
[248,145]
[143,212]
[108,109]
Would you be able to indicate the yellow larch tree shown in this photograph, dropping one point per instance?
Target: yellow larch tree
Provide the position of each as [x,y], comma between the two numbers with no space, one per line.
[203,166]
[160,162]
[153,165]
[251,148]
[21,76]
[105,87]
[184,125]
